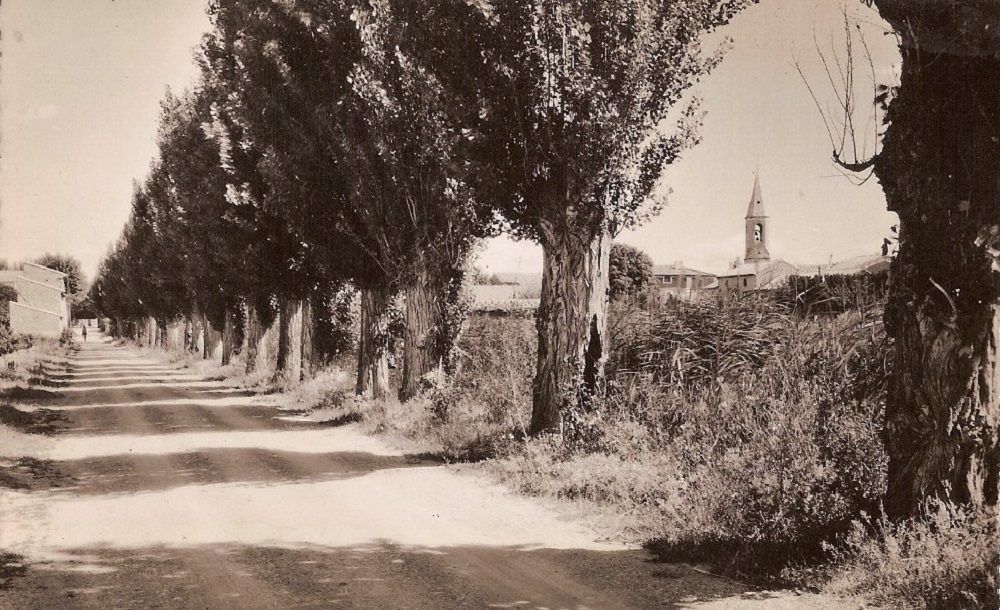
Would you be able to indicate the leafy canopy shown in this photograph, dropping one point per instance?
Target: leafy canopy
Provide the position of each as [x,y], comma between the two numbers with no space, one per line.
[580,102]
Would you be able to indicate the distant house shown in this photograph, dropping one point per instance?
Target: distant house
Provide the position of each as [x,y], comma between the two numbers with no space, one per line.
[867,263]
[756,275]
[42,306]
[507,293]
[682,282]
[758,271]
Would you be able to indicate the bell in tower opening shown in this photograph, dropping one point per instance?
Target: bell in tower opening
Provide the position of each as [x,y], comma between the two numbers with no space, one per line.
[756,234]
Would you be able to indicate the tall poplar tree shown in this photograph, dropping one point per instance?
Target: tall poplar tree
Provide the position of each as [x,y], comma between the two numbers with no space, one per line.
[582,107]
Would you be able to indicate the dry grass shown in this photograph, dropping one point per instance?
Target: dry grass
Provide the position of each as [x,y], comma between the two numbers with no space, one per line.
[947,559]
[741,435]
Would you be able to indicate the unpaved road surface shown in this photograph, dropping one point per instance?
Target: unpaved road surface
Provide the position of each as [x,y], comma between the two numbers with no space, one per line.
[163,490]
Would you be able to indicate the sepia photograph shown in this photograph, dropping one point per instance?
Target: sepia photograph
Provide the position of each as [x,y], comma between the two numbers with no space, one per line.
[537,304]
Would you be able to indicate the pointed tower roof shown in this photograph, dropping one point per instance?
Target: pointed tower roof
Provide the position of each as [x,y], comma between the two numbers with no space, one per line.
[756,207]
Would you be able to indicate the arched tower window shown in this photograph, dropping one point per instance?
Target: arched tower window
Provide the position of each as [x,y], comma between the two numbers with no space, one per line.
[758,232]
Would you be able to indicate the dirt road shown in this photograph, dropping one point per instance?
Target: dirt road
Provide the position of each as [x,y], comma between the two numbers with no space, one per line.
[163,490]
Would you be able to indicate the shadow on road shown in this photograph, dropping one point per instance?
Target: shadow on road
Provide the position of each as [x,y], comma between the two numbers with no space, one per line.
[380,575]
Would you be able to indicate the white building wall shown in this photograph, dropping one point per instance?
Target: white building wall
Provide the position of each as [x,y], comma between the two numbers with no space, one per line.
[41,307]
[32,321]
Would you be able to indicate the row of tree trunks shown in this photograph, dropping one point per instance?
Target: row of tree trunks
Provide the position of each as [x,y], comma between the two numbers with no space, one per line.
[373,343]
[571,322]
[940,169]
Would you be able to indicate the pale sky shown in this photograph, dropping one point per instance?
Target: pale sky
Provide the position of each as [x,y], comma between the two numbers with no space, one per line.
[82,80]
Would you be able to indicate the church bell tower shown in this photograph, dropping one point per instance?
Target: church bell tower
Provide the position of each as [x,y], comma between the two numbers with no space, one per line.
[756,223]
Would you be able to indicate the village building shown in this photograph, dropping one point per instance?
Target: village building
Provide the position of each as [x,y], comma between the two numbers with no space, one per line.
[42,307]
[682,282]
[758,271]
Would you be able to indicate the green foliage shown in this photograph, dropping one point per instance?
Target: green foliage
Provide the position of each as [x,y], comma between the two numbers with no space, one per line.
[333,319]
[571,98]
[85,308]
[630,271]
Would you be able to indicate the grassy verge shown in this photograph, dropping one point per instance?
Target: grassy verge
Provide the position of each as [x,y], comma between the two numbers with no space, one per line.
[742,436]
[22,432]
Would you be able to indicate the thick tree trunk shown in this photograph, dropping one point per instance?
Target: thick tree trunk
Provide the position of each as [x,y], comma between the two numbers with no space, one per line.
[289,366]
[307,340]
[571,323]
[210,339]
[421,345]
[162,334]
[228,337]
[151,337]
[373,343]
[940,169]
[253,335]
[188,339]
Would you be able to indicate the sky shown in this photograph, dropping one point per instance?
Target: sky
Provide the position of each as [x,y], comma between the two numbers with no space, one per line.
[81,82]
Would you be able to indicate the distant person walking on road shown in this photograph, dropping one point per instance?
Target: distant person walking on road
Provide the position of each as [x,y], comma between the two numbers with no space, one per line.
[84,333]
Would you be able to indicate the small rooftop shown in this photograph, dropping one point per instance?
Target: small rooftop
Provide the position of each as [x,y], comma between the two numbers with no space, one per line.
[676,269]
[50,270]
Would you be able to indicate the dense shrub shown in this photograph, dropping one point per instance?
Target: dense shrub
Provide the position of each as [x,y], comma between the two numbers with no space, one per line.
[742,433]
[7,294]
[333,318]
[947,559]
[698,343]
[494,363]
[837,293]
[12,342]
[764,426]
[630,271]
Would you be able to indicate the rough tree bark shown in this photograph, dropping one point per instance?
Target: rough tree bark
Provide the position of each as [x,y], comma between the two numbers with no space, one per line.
[253,335]
[289,366]
[308,341]
[421,347]
[162,334]
[940,168]
[211,338]
[373,343]
[571,321]
[188,339]
[196,328]
[228,337]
